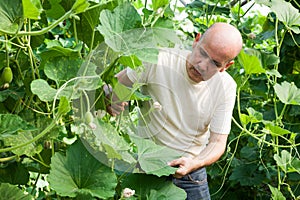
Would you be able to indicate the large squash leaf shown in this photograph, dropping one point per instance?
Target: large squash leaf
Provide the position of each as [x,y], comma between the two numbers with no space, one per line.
[123,33]
[79,173]
[153,158]
[107,146]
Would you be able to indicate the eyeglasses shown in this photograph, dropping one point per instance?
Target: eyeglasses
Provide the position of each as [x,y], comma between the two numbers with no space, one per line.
[204,55]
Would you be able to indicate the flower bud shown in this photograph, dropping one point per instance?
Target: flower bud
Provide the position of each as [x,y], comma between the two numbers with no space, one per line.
[157,106]
[127,192]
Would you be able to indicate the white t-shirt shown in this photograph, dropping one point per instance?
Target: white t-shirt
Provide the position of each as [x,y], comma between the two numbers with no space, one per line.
[189,110]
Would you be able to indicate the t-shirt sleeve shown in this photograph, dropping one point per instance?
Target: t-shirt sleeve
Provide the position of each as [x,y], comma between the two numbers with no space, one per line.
[221,119]
[139,75]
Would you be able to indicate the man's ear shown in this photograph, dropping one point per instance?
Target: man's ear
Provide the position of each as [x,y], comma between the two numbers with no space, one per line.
[227,66]
[197,38]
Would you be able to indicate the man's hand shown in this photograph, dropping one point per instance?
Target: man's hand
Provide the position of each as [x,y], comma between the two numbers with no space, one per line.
[113,104]
[212,152]
[185,164]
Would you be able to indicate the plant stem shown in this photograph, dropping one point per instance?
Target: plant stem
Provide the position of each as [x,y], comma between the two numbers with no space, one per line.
[42,31]
[42,134]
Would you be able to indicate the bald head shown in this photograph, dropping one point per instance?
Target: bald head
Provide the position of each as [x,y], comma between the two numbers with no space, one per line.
[224,39]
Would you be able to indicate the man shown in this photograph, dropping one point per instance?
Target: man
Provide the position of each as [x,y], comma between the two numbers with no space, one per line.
[197,97]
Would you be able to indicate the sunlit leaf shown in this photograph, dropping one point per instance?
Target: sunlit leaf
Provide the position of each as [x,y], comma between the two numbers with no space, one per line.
[253,116]
[287,14]
[276,194]
[283,160]
[274,72]
[288,93]
[79,173]
[251,63]
[122,32]
[9,191]
[32,9]
[80,6]
[64,106]
[159,3]
[43,90]
[274,130]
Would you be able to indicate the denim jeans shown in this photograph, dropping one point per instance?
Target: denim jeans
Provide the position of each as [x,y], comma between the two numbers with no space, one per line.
[195,185]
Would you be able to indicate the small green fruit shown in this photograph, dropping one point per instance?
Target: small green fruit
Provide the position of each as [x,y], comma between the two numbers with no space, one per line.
[7,75]
[89,117]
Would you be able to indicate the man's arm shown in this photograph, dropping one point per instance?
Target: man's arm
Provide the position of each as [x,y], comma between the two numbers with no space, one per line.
[212,152]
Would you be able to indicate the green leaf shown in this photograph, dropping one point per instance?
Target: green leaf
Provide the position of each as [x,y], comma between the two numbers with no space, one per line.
[106,138]
[11,13]
[122,33]
[273,72]
[42,89]
[10,124]
[88,22]
[22,137]
[253,116]
[284,160]
[288,93]
[62,69]
[122,18]
[153,158]
[130,61]
[287,14]
[274,130]
[199,5]
[64,106]
[247,175]
[152,186]
[276,194]
[56,10]
[14,173]
[80,6]
[32,9]
[79,173]
[250,62]
[159,3]
[55,48]
[124,93]
[296,165]
[9,191]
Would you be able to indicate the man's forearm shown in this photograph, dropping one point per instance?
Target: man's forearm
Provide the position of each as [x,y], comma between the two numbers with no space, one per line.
[213,151]
[123,78]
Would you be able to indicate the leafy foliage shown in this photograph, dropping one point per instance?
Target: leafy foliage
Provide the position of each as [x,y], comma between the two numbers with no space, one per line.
[63,52]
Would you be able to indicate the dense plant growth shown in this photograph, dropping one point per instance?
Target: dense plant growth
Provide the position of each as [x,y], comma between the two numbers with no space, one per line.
[56,140]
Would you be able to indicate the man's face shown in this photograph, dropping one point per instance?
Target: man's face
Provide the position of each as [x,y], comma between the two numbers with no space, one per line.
[202,63]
